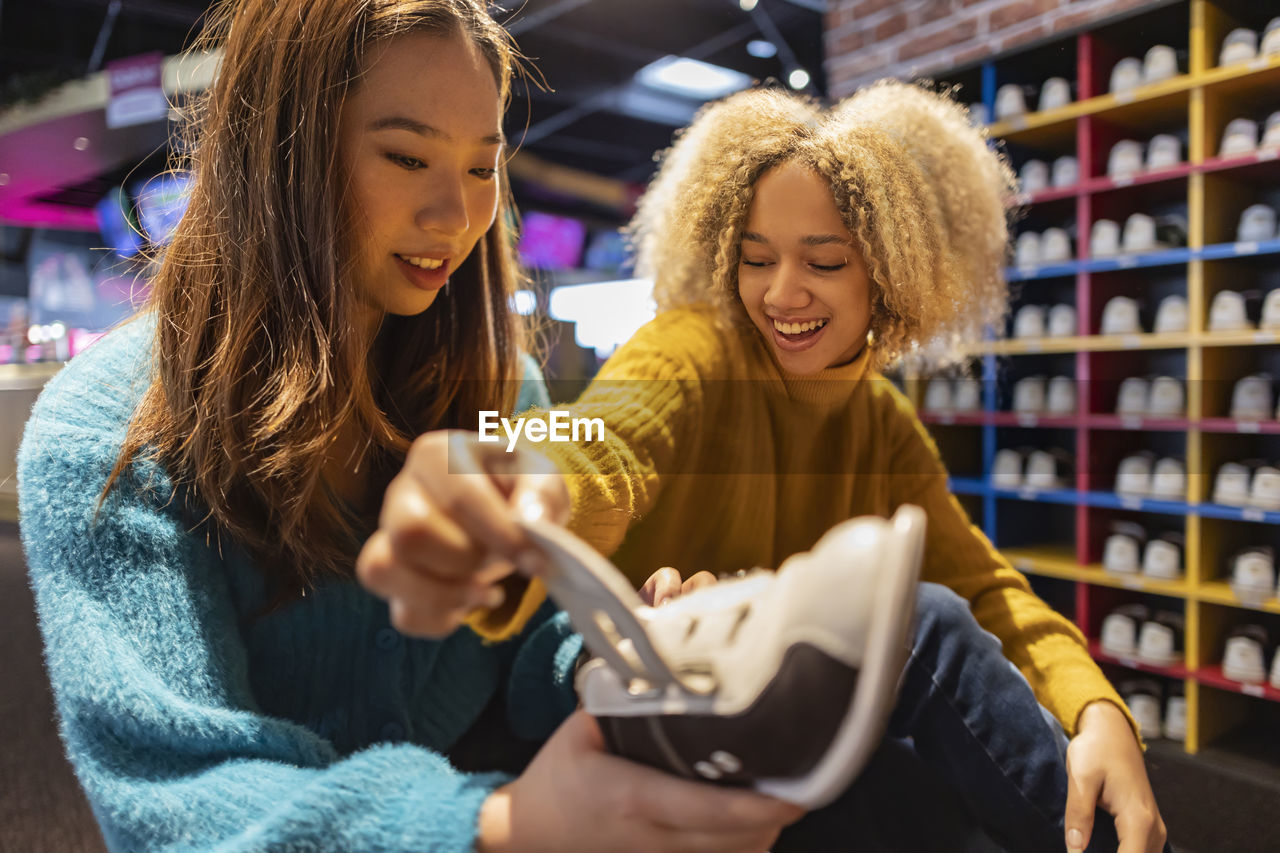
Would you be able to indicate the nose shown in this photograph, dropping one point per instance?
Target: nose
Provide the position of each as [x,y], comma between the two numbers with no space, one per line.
[787,291]
[444,209]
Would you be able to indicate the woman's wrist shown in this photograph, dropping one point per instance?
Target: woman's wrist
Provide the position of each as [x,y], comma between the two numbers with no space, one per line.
[493,834]
[1102,712]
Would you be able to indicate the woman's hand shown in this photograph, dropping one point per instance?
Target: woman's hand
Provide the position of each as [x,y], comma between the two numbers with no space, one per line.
[575,796]
[1105,768]
[447,532]
[664,585]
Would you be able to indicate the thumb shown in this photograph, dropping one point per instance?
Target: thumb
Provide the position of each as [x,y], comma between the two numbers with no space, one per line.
[1082,802]
[582,731]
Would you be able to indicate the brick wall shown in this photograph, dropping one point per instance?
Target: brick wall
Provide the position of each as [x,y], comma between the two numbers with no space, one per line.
[870,39]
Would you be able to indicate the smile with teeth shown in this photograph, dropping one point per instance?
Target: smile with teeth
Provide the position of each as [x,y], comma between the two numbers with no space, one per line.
[797,328]
[422,263]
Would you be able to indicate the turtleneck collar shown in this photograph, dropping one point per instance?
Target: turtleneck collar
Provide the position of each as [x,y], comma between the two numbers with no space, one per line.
[829,388]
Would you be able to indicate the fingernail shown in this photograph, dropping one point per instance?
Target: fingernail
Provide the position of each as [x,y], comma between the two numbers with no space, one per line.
[1075,841]
[530,507]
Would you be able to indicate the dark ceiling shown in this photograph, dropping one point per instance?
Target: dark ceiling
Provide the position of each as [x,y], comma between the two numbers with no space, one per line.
[591,118]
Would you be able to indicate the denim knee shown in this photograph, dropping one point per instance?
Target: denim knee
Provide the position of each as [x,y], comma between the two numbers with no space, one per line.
[946,625]
[939,608]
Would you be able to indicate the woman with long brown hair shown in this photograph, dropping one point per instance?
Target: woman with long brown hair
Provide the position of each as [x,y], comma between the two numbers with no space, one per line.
[195,487]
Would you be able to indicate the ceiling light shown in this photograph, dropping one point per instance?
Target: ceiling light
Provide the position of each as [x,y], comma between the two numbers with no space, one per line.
[799,78]
[81,143]
[605,314]
[4,178]
[762,49]
[747,5]
[691,78]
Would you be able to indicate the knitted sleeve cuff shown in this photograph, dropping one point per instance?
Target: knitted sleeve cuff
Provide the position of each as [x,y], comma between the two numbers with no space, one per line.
[524,597]
[435,809]
[1114,698]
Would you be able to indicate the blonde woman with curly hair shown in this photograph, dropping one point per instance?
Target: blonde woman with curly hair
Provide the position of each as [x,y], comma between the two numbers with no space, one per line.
[796,251]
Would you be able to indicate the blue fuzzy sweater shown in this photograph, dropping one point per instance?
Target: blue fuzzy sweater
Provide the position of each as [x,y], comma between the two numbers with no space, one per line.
[193,725]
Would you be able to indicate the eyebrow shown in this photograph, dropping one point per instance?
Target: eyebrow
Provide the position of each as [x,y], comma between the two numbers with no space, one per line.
[809,240]
[397,122]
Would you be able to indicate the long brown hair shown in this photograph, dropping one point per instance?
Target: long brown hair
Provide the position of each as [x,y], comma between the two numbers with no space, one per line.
[259,356]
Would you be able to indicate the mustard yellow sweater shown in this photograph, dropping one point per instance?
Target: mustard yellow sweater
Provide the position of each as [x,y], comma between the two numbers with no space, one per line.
[714,459]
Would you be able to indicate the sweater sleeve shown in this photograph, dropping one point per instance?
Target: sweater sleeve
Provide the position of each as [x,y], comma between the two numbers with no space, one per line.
[150,676]
[649,398]
[1046,647]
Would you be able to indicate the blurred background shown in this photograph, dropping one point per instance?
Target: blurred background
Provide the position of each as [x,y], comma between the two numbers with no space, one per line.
[90,92]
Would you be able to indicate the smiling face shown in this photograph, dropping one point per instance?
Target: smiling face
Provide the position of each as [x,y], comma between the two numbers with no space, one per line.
[420,138]
[800,278]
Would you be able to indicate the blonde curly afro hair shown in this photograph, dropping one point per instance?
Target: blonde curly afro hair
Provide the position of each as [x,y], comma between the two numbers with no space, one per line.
[917,185]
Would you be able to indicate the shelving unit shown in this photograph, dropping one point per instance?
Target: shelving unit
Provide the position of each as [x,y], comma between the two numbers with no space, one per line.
[1056,536]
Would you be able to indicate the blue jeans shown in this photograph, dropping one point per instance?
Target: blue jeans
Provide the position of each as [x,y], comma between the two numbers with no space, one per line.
[988,768]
